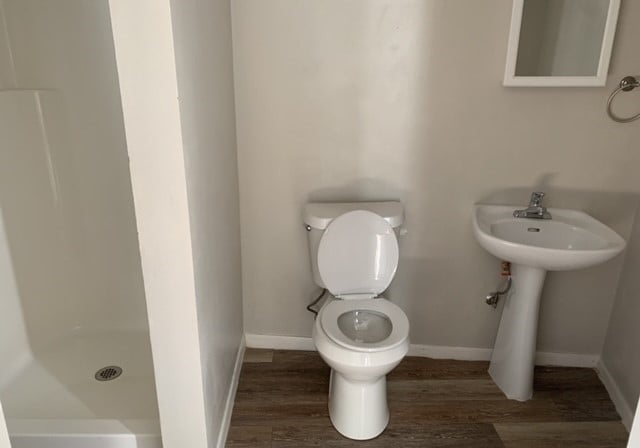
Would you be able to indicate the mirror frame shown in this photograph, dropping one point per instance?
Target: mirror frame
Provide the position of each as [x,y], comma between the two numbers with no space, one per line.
[600,79]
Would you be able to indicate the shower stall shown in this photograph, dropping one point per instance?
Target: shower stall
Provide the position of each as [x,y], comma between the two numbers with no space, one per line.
[76,366]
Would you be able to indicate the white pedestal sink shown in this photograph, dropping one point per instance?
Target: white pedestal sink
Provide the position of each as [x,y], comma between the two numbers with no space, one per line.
[570,240]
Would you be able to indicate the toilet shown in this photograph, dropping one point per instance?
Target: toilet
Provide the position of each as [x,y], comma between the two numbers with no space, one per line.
[361,335]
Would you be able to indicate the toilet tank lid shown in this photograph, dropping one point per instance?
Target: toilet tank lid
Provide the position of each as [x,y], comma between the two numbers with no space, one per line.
[318,215]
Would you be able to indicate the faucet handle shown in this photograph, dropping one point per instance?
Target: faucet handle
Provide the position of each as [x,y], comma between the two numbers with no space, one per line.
[536,198]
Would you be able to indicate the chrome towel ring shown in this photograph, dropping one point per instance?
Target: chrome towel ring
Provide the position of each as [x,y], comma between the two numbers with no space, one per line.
[627,84]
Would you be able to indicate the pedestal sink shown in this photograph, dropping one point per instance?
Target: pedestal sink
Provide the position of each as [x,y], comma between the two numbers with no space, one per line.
[570,240]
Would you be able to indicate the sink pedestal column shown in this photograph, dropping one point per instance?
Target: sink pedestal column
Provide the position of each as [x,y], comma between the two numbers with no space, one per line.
[512,361]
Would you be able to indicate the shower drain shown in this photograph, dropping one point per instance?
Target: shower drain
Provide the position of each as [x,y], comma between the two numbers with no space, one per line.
[108,373]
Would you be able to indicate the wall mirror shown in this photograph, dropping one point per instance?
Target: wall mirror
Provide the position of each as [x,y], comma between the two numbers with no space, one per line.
[560,42]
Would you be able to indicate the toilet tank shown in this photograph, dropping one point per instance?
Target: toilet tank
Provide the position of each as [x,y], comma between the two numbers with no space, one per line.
[317,216]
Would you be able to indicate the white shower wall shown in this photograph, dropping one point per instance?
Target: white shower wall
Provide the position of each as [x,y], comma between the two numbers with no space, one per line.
[67,206]
[14,346]
[36,268]
[71,296]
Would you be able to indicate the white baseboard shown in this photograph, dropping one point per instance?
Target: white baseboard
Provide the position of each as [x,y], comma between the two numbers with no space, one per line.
[231,396]
[428,351]
[621,404]
[566,359]
[448,352]
[279,342]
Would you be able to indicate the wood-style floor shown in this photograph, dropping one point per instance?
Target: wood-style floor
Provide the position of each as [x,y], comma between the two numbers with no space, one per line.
[282,402]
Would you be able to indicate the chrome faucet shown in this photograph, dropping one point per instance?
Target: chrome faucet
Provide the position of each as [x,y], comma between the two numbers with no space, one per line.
[535,209]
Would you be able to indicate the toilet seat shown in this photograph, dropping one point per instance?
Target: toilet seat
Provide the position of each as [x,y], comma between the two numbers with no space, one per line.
[330,314]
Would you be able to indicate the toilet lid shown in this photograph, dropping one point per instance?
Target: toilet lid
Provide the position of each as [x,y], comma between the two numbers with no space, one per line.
[366,325]
[358,255]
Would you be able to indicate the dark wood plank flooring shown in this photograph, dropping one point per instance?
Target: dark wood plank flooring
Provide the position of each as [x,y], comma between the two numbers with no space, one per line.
[282,402]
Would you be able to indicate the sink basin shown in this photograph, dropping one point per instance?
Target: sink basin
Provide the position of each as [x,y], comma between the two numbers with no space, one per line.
[571,240]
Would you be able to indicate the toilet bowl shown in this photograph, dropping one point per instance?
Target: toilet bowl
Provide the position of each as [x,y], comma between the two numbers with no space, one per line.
[362,341]
[359,334]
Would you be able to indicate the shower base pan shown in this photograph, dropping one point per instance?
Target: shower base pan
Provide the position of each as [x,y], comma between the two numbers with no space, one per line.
[71,396]
[85,433]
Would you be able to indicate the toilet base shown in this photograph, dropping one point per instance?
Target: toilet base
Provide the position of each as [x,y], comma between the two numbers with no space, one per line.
[358,409]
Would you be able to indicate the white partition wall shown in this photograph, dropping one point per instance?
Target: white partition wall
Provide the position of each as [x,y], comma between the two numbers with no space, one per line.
[144,53]
[207,114]
[177,96]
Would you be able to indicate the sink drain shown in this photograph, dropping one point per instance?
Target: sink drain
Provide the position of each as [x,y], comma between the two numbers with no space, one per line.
[108,373]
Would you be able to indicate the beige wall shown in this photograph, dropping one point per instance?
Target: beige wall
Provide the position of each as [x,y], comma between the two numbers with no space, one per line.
[620,352]
[65,47]
[348,100]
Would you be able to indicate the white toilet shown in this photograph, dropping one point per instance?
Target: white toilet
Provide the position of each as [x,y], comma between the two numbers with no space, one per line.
[361,335]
